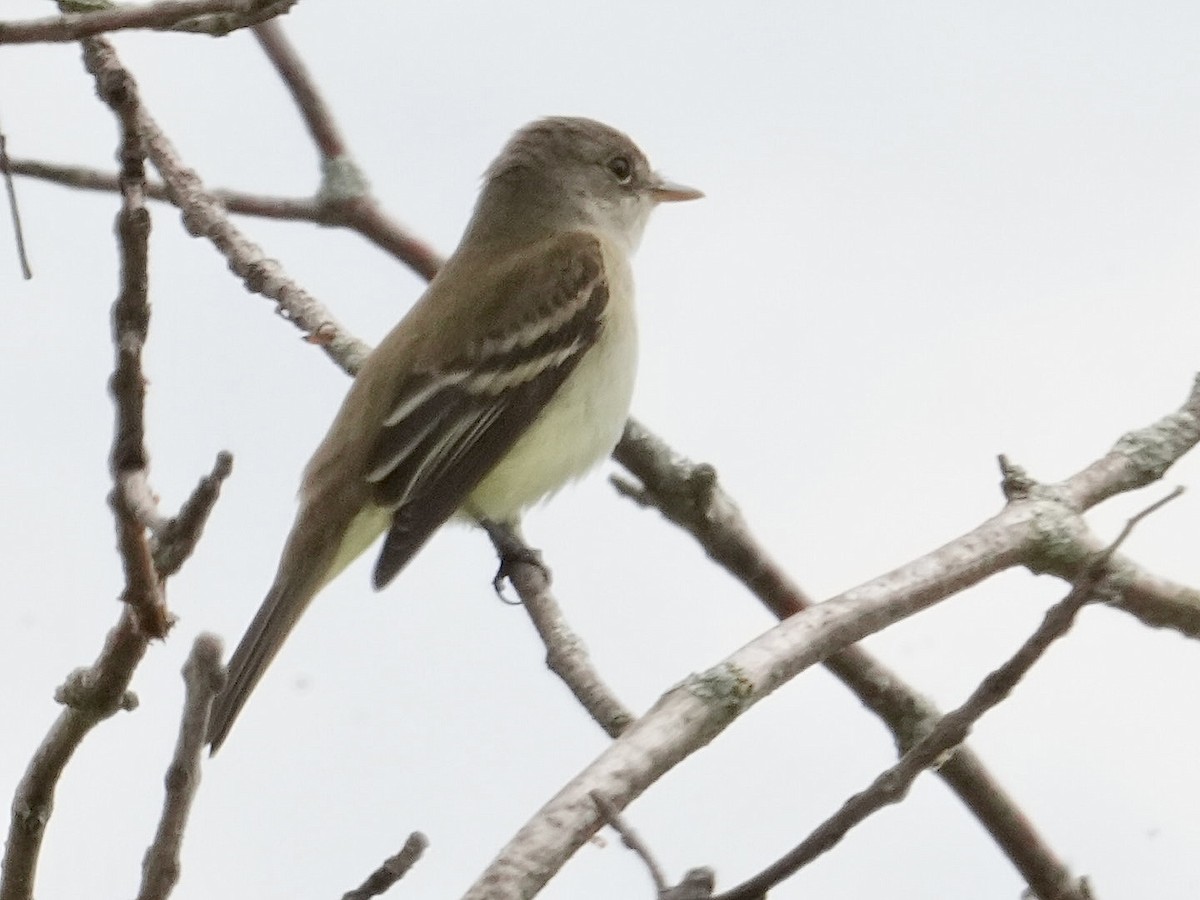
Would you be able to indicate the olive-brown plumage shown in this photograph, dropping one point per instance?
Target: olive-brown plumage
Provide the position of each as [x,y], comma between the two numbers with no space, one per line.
[510,376]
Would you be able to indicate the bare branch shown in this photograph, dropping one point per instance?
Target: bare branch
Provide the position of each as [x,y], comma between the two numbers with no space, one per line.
[566,655]
[633,841]
[13,208]
[90,695]
[892,785]
[316,113]
[689,494]
[204,216]
[131,499]
[219,17]
[367,219]
[203,676]
[392,870]
[177,538]
[1139,458]
[690,715]
[326,328]
[344,193]
[1156,601]
[263,206]
[343,200]
[693,714]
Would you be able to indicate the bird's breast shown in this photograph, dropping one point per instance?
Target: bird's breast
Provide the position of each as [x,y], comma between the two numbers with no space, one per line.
[578,428]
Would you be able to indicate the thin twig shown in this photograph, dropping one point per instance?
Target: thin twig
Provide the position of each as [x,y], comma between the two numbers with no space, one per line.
[203,677]
[632,840]
[392,869]
[13,208]
[892,785]
[367,220]
[221,17]
[260,205]
[344,193]
[175,541]
[291,68]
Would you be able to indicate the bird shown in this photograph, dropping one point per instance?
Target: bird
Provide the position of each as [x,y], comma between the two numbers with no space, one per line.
[509,377]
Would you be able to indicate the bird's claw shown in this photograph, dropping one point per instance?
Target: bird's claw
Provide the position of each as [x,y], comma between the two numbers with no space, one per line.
[510,558]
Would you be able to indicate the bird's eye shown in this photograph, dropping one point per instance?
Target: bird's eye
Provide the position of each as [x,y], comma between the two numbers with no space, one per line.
[621,167]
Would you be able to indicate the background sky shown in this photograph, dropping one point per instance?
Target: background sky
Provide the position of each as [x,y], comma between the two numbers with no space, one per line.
[934,232]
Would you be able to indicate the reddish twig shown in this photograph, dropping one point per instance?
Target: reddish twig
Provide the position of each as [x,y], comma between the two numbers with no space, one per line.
[344,194]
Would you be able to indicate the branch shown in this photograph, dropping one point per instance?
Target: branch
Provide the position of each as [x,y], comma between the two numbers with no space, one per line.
[215,17]
[391,870]
[174,542]
[566,655]
[313,108]
[131,500]
[689,495]
[697,884]
[90,695]
[1037,528]
[892,785]
[13,209]
[633,841]
[368,220]
[345,194]
[327,329]
[343,200]
[261,205]
[204,216]
[203,677]
[692,714]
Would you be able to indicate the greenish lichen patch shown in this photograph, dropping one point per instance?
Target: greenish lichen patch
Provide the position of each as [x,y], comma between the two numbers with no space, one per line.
[1056,546]
[341,180]
[1154,449]
[725,687]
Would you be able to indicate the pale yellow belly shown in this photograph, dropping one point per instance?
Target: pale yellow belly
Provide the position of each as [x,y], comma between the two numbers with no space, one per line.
[579,428]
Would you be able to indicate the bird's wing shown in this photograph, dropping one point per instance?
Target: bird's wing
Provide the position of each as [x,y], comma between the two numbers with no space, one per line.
[448,426]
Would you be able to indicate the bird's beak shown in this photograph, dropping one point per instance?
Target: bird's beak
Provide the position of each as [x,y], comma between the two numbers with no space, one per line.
[664,190]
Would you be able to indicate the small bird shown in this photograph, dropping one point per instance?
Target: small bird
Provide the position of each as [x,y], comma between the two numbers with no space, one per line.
[511,376]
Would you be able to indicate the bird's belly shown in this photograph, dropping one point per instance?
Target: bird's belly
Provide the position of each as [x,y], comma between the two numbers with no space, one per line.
[577,429]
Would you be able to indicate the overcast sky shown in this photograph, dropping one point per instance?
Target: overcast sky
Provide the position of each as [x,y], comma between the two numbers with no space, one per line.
[934,232]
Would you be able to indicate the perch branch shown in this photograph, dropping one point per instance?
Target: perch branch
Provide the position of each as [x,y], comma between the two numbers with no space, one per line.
[203,677]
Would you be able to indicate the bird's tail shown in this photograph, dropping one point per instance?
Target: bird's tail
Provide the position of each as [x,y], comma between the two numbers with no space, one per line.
[273,622]
[312,558]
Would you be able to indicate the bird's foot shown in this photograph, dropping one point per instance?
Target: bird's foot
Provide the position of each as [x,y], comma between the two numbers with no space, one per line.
[513,552]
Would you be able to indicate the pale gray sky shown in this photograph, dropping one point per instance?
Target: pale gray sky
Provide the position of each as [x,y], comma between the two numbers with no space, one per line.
[934,232]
